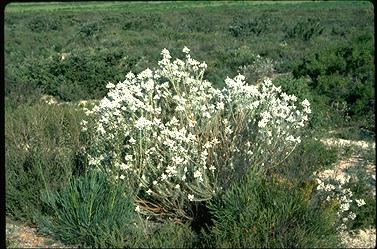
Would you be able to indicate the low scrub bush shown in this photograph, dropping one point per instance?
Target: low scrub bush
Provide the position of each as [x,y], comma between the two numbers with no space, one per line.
[305,30]
[41,144]
[300,87]
[257,212]
[81,74]
[344,73]
[255,26]
[89,29]
[43,23]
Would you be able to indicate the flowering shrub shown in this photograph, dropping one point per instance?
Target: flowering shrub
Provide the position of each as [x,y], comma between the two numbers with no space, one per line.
[332,186]
[178,139]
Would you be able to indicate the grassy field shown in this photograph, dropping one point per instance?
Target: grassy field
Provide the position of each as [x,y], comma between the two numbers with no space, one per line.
[320,51]
[182,5]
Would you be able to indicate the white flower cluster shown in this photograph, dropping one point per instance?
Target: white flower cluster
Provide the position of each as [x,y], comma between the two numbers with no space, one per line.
[181,138]
[332,185]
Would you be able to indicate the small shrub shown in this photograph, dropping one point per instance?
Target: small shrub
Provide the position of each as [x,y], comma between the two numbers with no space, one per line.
[335,189]
[305,30]
[258,213]
[83,74]
[343,73]
[90,29]
[44,23]
[255,26]
[41,142]
[300,87]
[362,186]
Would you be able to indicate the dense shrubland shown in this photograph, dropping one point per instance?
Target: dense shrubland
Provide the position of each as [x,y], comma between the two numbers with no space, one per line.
[336,53]
[187,153]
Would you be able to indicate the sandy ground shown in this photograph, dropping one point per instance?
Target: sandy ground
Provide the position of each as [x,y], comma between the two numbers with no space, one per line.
[344,142]
[19,235]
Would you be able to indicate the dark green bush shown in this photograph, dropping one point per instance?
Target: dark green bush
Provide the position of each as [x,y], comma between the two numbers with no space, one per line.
[255,26]
[305,30]
[83,74]
[299,87]
[259,213]
[344,73]
[41,144]
[90,29]
[43,23]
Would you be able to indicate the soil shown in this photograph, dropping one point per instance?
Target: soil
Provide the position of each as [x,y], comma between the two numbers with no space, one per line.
[20,235]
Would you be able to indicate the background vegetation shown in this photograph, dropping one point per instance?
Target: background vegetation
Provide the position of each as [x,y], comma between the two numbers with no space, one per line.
[322,51]
[320,41]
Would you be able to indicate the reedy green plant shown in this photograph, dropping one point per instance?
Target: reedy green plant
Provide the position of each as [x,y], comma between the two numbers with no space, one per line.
[92,211]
